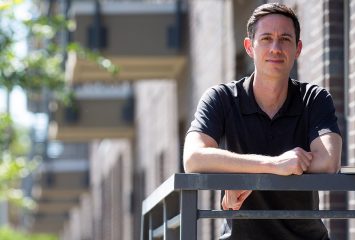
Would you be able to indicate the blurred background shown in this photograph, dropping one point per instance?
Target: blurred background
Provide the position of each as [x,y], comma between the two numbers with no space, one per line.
[97,95]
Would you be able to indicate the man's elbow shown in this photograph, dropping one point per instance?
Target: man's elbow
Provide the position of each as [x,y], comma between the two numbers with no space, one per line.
[195,161]
[333,162]
[333,166]
[188,168]
[326,151]
[187,165]
[189,162]
[324,163]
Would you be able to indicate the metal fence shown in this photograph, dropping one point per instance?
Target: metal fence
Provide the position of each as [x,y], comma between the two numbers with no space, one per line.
[171,211]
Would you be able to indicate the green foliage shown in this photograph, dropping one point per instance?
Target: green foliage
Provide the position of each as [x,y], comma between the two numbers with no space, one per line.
[7,233]
[13,165]
[5,129]
[10,171]
[93,56]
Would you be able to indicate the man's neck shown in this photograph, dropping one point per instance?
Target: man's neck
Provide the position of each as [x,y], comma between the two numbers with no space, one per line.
[270,93]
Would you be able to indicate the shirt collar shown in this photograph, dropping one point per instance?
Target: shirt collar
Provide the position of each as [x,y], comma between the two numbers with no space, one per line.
[247,99]
[291,107]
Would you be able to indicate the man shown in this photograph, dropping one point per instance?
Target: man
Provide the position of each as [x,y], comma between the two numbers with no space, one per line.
[268,123]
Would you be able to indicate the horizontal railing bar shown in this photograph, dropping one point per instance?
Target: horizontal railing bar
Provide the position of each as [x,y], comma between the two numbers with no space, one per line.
[304,182]
[221,181]
[158,195]
[173,223]
[158,232]
[277,214]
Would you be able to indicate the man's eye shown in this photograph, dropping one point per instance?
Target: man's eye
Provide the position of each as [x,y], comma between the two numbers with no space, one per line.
[266,38]
[285,39]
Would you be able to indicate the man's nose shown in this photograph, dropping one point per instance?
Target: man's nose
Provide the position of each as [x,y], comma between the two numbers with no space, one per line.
[275,47]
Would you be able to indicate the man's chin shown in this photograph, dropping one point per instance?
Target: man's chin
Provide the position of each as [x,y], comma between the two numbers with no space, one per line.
[276,73]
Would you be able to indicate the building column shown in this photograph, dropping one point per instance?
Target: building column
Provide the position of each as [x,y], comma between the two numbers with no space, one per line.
[211,61]
[212,51]
[349,6]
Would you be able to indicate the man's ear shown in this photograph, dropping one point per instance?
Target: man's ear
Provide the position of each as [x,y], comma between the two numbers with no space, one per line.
[248,45]
[299,48]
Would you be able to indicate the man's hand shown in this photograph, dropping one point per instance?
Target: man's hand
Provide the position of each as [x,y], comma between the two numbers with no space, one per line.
[233,199]
[295,161]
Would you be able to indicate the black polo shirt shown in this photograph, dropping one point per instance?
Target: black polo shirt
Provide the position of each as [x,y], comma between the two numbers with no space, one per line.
[229,114]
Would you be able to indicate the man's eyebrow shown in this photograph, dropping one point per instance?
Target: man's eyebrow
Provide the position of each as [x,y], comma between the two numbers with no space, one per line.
[265,34]
[287,35]
[283,34]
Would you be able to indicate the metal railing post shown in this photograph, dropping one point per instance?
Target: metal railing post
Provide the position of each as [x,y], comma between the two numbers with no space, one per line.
[144,227]
[165,219]
[150,227]
[188,215]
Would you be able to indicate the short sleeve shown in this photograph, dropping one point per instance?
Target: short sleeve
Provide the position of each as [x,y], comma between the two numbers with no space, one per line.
[209,116]
[322,116]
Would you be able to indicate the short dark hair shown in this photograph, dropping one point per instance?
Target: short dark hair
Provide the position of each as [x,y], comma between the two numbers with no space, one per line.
[272,8]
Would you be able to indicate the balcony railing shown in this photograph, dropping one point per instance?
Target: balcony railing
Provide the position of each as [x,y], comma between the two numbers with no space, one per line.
[171,211]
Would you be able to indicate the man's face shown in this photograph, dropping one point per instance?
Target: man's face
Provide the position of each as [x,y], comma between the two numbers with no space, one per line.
[274,47]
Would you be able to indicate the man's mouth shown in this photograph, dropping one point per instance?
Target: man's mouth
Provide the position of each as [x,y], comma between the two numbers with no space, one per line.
[275,60]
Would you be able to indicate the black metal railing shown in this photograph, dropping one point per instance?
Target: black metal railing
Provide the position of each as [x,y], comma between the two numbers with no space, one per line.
[171,211]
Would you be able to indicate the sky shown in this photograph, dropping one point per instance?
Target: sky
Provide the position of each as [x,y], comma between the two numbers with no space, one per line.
[18,108]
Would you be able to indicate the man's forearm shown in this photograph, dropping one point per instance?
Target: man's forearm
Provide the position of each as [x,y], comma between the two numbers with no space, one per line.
[211,159]
[201,155]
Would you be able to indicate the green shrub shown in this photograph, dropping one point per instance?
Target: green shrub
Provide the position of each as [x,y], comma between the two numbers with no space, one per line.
[7,233]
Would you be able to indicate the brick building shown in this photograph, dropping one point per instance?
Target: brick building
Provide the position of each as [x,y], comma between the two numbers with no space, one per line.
[203,47]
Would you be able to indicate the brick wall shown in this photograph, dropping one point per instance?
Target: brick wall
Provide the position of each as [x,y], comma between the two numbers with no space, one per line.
[334,82]
[351,104]
[351,89]
[322,63]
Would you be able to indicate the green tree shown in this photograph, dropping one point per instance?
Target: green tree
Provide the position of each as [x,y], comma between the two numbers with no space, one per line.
[13,165]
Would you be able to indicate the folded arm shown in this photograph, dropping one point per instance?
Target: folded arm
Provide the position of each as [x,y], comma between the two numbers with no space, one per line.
[201,154]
